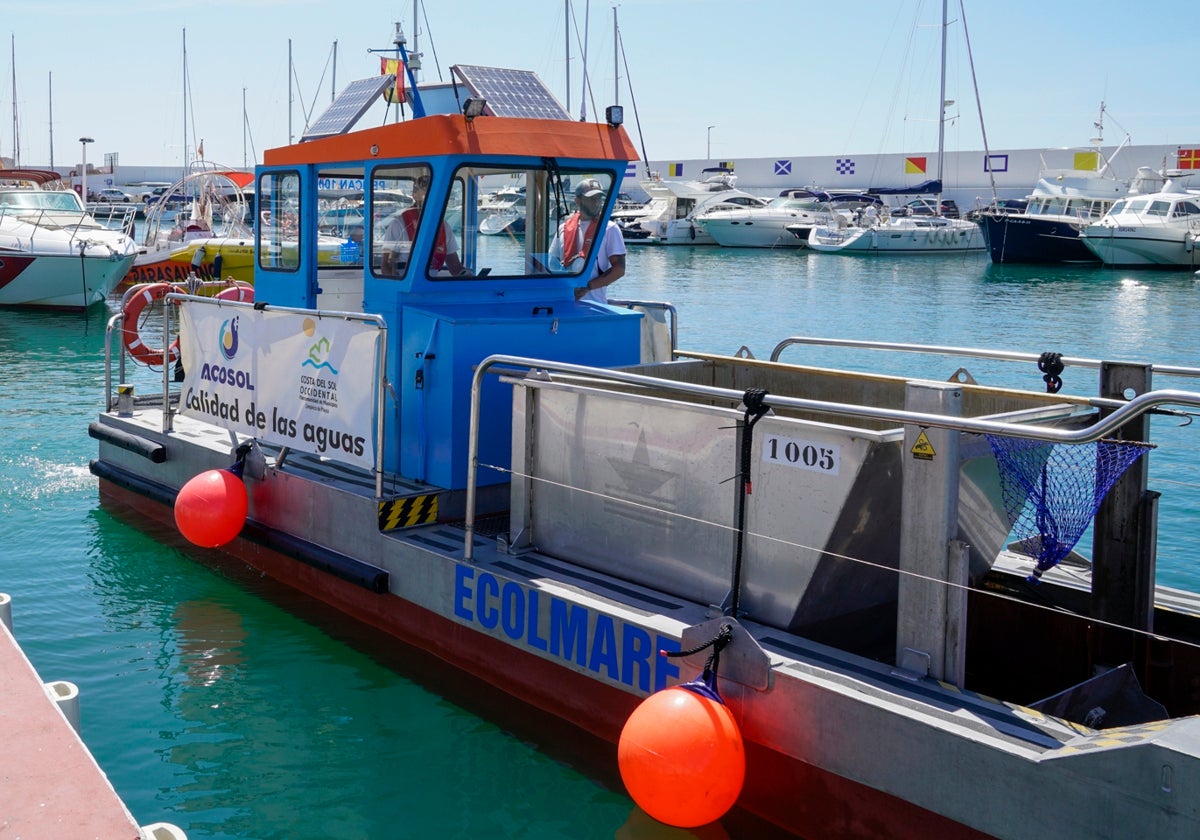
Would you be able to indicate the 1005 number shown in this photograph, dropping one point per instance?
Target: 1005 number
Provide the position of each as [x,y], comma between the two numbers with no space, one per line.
[803,454]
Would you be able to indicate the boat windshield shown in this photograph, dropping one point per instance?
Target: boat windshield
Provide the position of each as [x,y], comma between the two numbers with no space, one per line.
[495,222]
[40,200]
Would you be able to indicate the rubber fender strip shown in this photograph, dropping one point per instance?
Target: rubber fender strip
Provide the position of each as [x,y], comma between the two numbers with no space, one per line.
[371,578]
[156,452]
[150,489]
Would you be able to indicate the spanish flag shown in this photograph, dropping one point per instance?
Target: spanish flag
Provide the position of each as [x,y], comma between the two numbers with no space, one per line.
[914,166]
[393,67]
[1188,158]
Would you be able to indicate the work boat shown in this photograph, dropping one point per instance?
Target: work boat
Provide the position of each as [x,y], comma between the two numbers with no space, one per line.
[53,254]
[550,495]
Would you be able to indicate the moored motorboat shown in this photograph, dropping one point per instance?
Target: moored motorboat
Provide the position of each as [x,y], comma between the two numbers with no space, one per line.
[536,490]
[53,254]
[1064,200]
[672,215]
[785,221]
[505,213]
[1158,230]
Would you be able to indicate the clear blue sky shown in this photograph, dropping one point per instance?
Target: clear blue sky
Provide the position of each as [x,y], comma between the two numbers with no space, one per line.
[772,77]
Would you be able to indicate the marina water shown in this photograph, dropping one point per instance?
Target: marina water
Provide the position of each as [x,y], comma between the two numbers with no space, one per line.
[221,702]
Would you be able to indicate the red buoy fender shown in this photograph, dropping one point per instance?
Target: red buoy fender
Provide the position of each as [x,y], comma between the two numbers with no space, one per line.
[241,293]
[134,305]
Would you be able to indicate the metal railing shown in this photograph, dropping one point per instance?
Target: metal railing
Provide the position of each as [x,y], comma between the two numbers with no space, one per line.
[974,352]
[543,370]
[115,326]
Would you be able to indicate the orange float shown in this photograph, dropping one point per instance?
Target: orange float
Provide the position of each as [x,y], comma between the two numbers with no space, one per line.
[211,508]
[682,758]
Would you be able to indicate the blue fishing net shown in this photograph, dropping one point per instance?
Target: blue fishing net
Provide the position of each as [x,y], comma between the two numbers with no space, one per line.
[1052,491]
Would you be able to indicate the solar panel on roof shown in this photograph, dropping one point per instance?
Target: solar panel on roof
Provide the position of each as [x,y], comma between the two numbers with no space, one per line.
[511,93]
[348,107]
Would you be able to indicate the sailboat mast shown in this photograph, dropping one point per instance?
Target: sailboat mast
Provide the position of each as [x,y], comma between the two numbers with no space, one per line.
[50,100]
[567,39]
[942,108]
[587,15]
[16,133]
[185,106]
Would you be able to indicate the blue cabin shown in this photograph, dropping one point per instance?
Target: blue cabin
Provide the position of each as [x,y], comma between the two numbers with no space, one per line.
[392,221]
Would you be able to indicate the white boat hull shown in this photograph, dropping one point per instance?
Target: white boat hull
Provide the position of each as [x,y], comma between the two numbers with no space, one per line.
[752,233]
[59,281]
[1150,247]
[898,237]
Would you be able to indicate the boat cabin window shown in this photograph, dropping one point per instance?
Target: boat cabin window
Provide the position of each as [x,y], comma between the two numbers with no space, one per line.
[341,226]
[1186,208]
[493,222]
[399,200]
[278,221]
[1159,208]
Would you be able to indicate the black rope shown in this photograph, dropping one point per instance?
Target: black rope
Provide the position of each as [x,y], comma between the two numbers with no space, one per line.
[1051,365]
[718,643]
[755,401]
[239,465]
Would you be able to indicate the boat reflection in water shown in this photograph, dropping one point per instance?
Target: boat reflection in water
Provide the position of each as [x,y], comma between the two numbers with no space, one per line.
[537,492]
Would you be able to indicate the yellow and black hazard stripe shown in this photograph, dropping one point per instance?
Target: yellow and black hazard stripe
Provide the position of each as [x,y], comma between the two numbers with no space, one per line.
[404,513]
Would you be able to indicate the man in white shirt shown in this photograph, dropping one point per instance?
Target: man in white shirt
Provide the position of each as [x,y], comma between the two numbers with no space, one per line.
[575,237]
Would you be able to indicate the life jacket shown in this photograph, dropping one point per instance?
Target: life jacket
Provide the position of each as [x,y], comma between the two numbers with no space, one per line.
[411,217]
[571,236]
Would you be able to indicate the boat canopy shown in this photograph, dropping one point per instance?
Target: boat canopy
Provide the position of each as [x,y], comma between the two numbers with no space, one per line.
[930,187]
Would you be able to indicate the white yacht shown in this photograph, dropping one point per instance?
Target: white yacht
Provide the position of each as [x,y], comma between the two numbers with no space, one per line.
[1147,231]
[671,215]
[53,254]
[785,221]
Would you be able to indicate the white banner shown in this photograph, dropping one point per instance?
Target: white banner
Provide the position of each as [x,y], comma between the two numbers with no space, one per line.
[285,378]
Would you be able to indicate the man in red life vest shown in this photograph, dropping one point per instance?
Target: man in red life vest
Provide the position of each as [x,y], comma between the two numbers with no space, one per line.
[402,230]
[575,237]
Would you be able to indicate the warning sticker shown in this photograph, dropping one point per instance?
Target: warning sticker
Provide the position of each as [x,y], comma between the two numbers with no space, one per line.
[922,448]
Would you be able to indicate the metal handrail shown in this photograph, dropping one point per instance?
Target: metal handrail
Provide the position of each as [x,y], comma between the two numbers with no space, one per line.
[934,349]
[669,308]
[1102,427]
[381,382]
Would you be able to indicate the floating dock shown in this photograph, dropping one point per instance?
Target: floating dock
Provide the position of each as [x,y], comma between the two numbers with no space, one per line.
[52,785]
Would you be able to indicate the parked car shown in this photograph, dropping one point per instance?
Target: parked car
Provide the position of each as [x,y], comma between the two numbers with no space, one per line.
[111,195]
[158,194]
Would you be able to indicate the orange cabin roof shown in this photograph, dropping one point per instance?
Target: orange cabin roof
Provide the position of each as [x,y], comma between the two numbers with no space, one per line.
[453,134]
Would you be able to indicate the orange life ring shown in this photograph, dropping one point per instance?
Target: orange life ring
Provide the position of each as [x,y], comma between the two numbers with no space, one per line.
[242,293]
[138,349]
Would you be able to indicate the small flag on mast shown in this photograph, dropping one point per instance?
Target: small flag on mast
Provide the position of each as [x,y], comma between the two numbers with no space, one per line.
[393,67]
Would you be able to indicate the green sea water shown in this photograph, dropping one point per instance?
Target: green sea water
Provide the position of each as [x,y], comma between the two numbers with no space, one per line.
[222,702]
